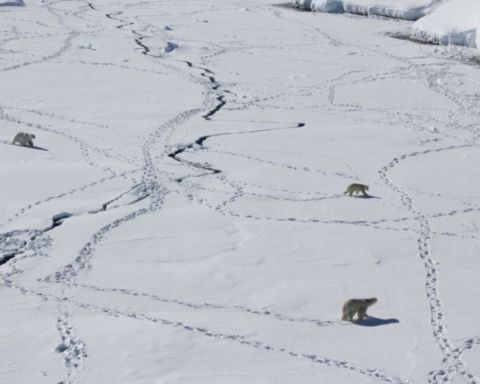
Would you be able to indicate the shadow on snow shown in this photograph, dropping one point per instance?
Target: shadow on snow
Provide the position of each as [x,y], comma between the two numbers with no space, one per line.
[375,322]
[34,147]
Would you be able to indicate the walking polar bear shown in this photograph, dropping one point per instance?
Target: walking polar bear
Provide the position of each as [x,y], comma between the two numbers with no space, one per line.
[357,188]
[24,139]
[356,306]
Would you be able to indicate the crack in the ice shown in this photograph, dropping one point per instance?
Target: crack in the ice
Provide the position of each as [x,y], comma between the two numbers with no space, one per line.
[217,108]
[110,15]
[138,41]
[190,64]
[57,220]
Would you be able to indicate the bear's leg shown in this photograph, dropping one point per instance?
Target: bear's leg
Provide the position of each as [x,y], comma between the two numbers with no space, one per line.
[362,313]
[347,314]
[351,313]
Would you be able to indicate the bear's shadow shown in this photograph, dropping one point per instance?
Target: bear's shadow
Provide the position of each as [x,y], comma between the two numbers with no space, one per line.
[366,197]
[34,147]
[375,322]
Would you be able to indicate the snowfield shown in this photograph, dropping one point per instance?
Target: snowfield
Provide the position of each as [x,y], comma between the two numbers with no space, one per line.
[458,22]
[398,9]
[181,217]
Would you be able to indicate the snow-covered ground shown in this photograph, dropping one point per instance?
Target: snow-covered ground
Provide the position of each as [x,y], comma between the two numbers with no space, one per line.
[457,22]
[398,9]
[194,156]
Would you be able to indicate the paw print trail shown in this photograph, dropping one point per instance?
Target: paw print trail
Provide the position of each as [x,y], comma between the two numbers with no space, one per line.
[452,360]
[257,312]
[242,341]
[67,275]
[142,39]
[74,348]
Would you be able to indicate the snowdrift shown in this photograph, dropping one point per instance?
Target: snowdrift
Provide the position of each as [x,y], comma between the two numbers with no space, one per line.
[18,3]
[455,23]
[398,9]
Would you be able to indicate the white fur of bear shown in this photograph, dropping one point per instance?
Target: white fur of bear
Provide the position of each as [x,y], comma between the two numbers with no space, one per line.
[356,306]
[357,188]
[24,139]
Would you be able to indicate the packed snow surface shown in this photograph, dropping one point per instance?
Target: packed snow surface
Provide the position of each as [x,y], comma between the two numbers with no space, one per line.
[398,9]
[181,217]
[457,22]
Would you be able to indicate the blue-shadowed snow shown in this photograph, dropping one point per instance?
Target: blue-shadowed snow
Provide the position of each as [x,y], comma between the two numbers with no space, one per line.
[12,3]
[398,9]
[457,22]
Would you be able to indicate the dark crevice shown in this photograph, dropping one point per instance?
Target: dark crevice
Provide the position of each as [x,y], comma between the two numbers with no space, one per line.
[124,25]
[203,69]
[57,220]
[108,203]
[182,149]
[215,87]
[104,207]
[202,139]
[139,199]
[217,108]
[146,50]
[12,253]
[138,41]
[110,15]
[211,78]
[92,7]
[8,256]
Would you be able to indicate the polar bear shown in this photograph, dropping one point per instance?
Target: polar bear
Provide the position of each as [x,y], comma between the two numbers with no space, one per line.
[24,139]
[356,306]
[357,188]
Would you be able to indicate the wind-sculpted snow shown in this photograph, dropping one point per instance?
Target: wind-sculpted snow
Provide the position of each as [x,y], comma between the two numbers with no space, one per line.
[15,3]
[456,23]
[397,9]
[182,218]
